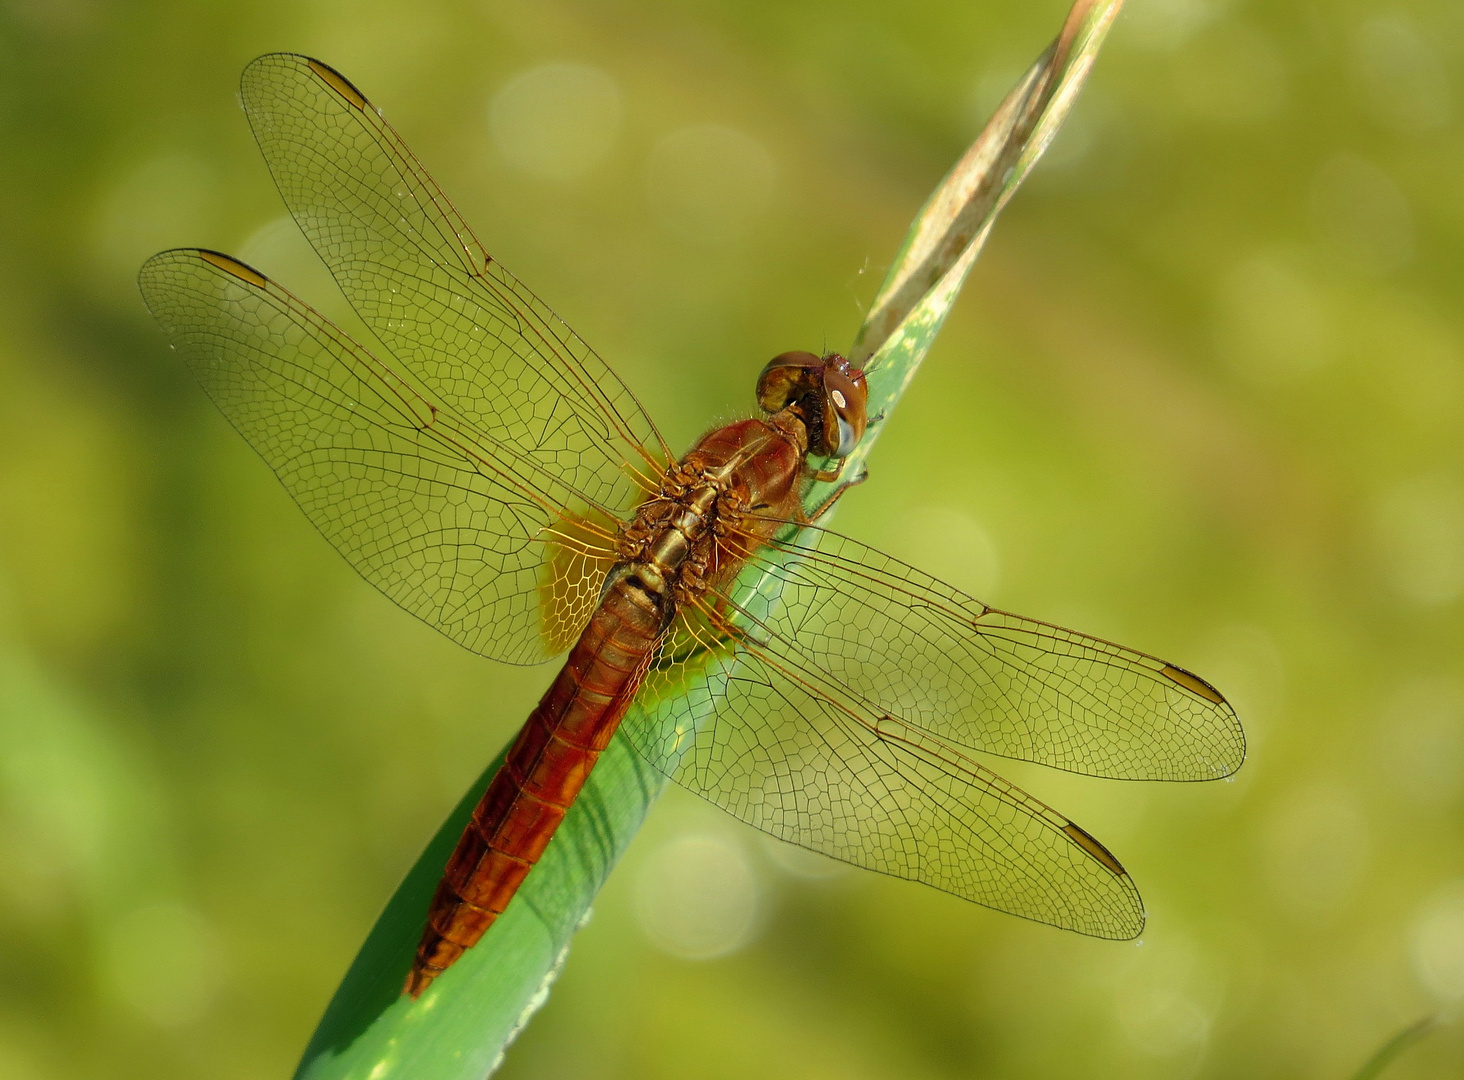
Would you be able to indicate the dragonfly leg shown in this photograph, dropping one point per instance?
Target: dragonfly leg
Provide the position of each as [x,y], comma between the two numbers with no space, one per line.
[827,475]
[834,496]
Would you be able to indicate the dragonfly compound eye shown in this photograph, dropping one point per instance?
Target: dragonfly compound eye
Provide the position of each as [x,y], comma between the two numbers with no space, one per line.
[788,378]
[844,406]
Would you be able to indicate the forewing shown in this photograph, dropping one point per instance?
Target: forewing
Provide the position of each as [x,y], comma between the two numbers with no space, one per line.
[902,644]
[453,318]
[462,530]
[793,754]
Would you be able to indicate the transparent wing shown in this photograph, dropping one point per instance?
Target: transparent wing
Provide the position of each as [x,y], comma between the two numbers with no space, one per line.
[793,752]
[829,706]
[501,550]
[452,317]
[903,644]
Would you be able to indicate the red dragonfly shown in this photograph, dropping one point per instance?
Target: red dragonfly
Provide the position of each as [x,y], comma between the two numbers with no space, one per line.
[493,476]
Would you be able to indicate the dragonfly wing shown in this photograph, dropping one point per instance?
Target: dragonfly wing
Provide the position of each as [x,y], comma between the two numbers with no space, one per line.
[452,317]
[906,645]
[456,526]
[798,757]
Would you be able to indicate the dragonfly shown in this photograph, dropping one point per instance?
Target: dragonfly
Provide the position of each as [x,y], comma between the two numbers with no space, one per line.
[489,472]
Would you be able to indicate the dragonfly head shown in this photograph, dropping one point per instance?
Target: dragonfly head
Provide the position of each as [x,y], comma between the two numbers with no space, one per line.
[827,393]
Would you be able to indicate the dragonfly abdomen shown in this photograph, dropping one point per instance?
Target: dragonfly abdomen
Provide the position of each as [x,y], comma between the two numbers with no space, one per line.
[544,770]
[666,555]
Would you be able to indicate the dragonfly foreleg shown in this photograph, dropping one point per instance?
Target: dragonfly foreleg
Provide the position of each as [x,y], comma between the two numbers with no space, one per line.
[834,496]
[827,475]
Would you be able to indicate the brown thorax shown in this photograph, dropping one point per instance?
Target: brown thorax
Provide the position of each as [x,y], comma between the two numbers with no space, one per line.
[676,538]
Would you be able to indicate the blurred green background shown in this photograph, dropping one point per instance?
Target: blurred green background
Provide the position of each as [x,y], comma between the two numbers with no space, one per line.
[1204,395]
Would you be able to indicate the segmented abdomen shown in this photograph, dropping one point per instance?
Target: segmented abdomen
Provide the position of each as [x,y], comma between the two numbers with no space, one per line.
[545,769]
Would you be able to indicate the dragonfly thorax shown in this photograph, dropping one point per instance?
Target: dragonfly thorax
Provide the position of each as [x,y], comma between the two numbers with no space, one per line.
[670,541]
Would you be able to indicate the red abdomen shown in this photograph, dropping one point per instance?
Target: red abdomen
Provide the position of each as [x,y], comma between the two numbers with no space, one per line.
[543,772]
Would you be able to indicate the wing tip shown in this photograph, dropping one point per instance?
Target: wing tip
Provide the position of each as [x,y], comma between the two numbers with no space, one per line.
[1132,929]
[1231,764]
[1123,926]
[1232,754]
[1228,751]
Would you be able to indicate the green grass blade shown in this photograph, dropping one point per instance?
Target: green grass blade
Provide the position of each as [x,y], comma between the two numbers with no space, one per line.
[461,1026]
[953,225]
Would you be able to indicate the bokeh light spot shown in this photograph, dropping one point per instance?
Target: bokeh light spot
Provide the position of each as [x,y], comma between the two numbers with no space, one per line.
[1420,536]
[1168,24]
[163,959]
[1360,214]
[1420,739]
[1316,848]
[1237,75]
[698,897]
[1162,1022]
[709,184]
[951,545]
[1160,999]
[1438,942]
[1273,324]
[557,121]
[1400,76]
[162,202]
